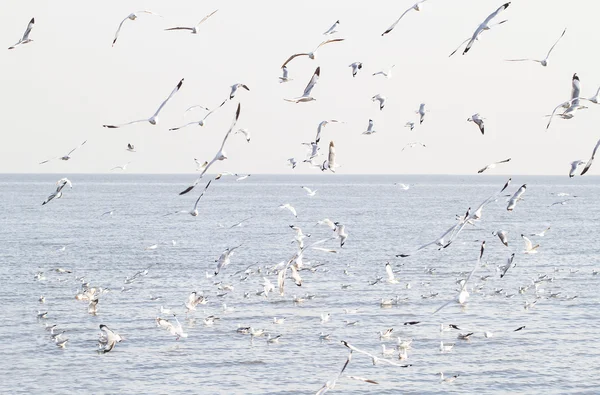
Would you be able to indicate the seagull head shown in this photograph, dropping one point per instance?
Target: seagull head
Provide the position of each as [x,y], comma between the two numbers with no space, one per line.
[153,121]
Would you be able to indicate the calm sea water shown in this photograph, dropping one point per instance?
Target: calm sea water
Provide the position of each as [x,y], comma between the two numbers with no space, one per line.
[556,353]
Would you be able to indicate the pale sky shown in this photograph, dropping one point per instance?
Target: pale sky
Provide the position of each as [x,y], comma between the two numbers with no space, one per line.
[60,89]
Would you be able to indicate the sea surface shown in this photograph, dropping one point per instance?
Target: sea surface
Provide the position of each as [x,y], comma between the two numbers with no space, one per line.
[556,353]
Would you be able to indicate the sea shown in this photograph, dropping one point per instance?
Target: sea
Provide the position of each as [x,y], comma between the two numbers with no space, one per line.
[99,233]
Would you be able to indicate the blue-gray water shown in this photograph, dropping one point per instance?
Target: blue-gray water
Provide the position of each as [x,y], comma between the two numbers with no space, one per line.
[555,353]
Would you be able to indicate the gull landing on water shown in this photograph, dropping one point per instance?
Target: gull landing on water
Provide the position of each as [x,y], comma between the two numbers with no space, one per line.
[194,29]
[543,62]
[416,7]
[153,120]
[311,84]
[132,17]
[67,156]
[25,39]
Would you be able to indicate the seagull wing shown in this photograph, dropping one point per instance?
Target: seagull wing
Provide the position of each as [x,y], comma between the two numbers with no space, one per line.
[528,244]
[460,45]
[485,23]
[202,194]
[73,150]
[206,17]
[292,57]
[125,124]
[366,380]
[552,47]
[186,125]
[119,30]
[589,163]
[180,28]
[313,81]
[389,271]
[28,30]
[215,109]
[169,98]
[329,41]
[389,29]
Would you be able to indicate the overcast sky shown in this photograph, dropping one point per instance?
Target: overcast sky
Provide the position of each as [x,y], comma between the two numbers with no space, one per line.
[60,89]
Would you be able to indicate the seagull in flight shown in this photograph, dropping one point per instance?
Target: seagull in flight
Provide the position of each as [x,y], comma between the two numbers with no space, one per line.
[200,166]
[330,163]
[589,163]
[67,156]
[313,54]
[306,97]
[529,247]
[404,187]
[332,30]
[542,233]
[411,145]
[292,162]
[132,17]
[201,122]
[390,274]
[484,26]
[572,105]
[516,197]
[130,148]
[245,132]
[111,339]
[415,7]
[370,128]
[574,166]
[469,38]
[25,39]
[234,89]
[493,165]
[380,99]
[153,120]
[421,111]
[330,384]
[195,29]
[123,168]
[477,120]
[309,191]
[387,74]
[543,62]
[58,193]
[289,207]
[221,155]
[356,66]
[284,77]
[194,211]
[224,259]
[410,125]
[322,124]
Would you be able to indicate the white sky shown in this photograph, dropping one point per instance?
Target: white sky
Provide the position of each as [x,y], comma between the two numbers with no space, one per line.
[60,89]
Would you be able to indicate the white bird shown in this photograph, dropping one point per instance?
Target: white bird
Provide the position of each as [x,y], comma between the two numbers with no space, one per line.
[529,247]
[386,352]
[325,317]
[330,384]
[387,73]
[25,39]
[292,162]
[542,233]
[589,163]
[278,321]
[410,125]
[176,330]
[306,97]
[543,62]
[340,231]
[380,99]
[502,235]
[194,211]
[201,122]
[194,29]
[356,66]
[67,156]
[245,132]
[493,165]
[224,259]
[234,89]
[404,187]
[413,144]
[390,274]
[130,148]
[571,106]
[330,163]
[416,7]
[421,111]
[509,264]
[111,339]
[58,193]
[440,241]
[447,379]
[309,191]
[242,178]
[221,155]
[123,167]
[313,54]
[374,358]
[332,30]
[284,77]
[200,166]
[516,197]
[322,124]
[132,17]
[478,120]
[289,207]
[594,99]
[153,120]
[446,347]
[369,128]
[484,26]
[574,166]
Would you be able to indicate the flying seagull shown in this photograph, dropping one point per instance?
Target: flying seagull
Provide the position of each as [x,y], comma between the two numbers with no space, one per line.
[478,120]
[284,77]
[234,89]
[224,259]
[508,265]
[245,132]
[67,156]
[311,84]
[132,17]
[529,247]
[153,120]
[195,29]
[194,211]
[313,54]
[332,30]
[380,99]
[292,162]
[322,124]
[543,62]
[410,145]
[330,384]
[492,165]
[387,74]
[111,339]
[221,155]
[123,168]
[421,111]
[484,26]
[410,125]
[355,67]
[369,128]
[25,39]
[289,207]
[589,163]
[415,7]
[469,38]
[330,163]
[572,105]
[309,191]
[516,197]
[58,193]
[574,166]
[130,148]
[201,122]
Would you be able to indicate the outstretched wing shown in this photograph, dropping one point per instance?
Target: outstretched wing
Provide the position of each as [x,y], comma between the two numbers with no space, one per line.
[313,81]
[589,163]
[206,17]
[552,47]
[292,57]
[170,96]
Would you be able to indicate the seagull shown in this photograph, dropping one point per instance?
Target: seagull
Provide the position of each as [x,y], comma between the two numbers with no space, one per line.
[410,125]
[132,17]
[330,384]
[529,247]
[440,241]
[404,187]
[446,347]
[542,233]
[502,236]
[58,193]
[355,67]
[369,128]
[589,163]
[221,155]
[572,105]
[245,132]
[309,191]
[543,62]
[374,358]
[311,84]
[478,120]
[130,148]
[201,122]
[25,39]
[292,162]
[380,99]
[234,89]
[194,211]
[330,162]
[415,7]
[322,124]
[516,197]
[332,30]
[594,99]
[200,166]
[67,156]
[195,29]
[123,168]
[493,165]
[111,339]
[387,74]
[153,120]
[284,77]
[340,231]
[414,144]
[224,259]
[508,265]
[242,178]
[421,111]
[574,166]
[484,26]
[447,379]
[289,207]
[177,330]
[390,274]
[313,54]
